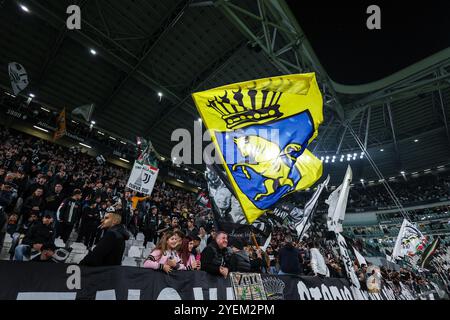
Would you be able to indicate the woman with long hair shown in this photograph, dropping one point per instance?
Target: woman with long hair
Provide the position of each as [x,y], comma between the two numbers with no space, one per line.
[187,258]
[165,255]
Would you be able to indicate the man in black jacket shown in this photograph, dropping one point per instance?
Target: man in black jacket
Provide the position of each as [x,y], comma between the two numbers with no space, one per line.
[34,202]
[109,250]
[5,201]
[289,258]
[68,214]
[90,220]
[39,234]
[239,260]
[191,230]
[127,204]
[150,224]
[54,200]
[215,257]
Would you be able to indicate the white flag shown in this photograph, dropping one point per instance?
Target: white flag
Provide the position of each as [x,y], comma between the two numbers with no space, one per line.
[85,111]
[18,76]
[359,257]
[348,263]
[390,259]
[266,244]
[409,241]
[337,202]
[142,178]
[303,225]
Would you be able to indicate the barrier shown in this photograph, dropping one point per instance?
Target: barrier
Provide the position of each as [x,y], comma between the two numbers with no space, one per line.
[51,281]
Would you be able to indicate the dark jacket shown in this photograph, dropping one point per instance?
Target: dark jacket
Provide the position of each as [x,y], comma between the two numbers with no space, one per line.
[32,188]
[53,201]
[109,250]
[256,264]
[6,198]
[66,207]
[90,217]
[3,222]
[192,234]
[31,202]
[39,233]
[289,259]
[150,222]
[213,258]
[240,262]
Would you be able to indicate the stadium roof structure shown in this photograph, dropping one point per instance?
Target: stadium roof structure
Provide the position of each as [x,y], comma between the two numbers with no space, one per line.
[139,61]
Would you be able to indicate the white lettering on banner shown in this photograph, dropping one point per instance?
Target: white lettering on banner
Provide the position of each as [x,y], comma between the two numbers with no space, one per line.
[169,294]
[46,296]
[358,294]
[303,291]
[134,294]
[230,293]
[347,294]
[198,293]
[106,295]
[325,292]
[212,293]
[315,293]
[335,293]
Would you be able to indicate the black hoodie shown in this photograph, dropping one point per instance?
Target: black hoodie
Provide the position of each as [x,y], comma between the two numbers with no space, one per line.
[289,259]
[109,250]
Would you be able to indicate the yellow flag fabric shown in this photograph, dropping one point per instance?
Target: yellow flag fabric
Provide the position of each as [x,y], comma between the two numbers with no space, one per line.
[260,130]
[61,125]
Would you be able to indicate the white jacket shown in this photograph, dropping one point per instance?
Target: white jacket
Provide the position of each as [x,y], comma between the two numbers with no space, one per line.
[318,264]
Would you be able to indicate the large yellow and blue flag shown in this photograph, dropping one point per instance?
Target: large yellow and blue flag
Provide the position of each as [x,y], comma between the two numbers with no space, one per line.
[261,130]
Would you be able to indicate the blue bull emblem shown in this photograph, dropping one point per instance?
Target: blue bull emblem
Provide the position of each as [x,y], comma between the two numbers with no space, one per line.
[262,158]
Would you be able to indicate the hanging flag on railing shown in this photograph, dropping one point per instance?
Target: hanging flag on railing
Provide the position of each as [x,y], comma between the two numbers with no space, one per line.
[60,125]
[18,77]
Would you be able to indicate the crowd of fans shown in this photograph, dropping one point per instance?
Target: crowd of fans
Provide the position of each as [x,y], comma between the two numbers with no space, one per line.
[47,192]
[412,190]
[35,113]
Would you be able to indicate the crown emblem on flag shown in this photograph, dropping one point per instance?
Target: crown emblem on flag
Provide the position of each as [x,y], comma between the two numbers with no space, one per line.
[243,107]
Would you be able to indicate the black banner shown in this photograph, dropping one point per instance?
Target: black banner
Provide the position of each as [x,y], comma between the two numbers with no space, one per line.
[53,281]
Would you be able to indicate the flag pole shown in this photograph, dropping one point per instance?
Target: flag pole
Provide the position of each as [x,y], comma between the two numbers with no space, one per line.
[254,240]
